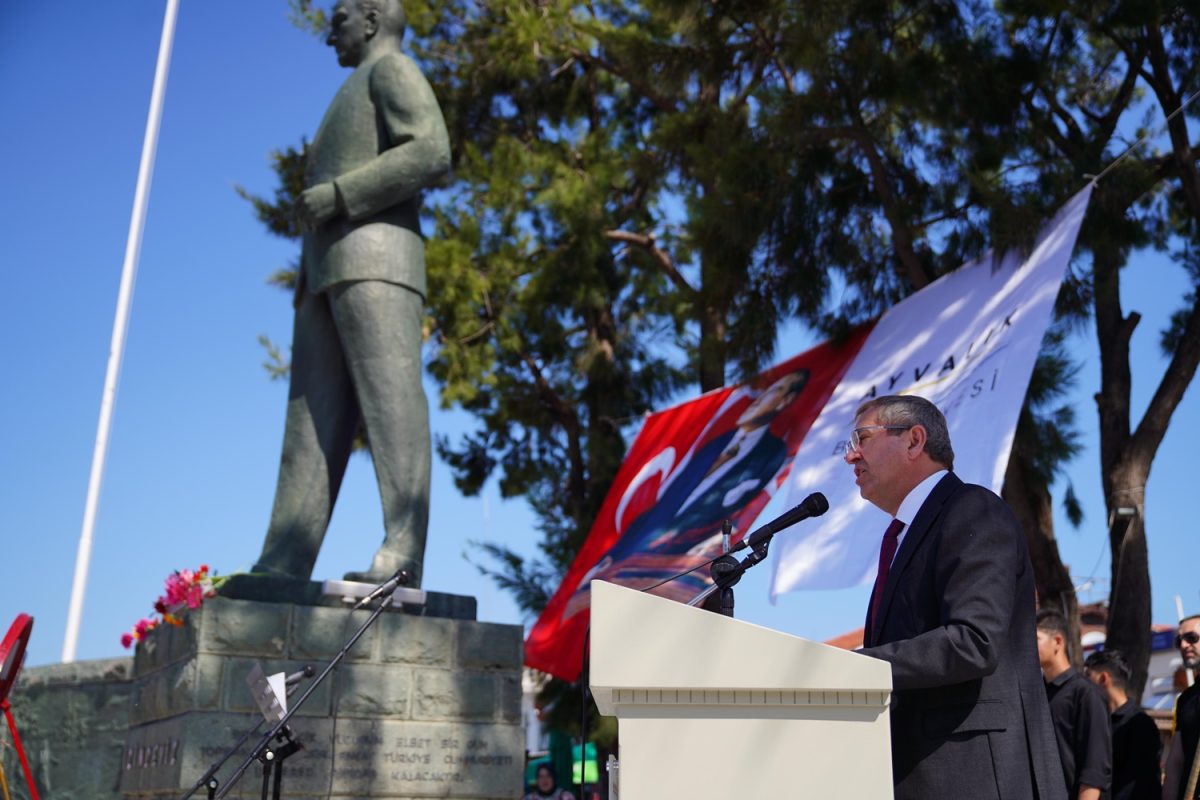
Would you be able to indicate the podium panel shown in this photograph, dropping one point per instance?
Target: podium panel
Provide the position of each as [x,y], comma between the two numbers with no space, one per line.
[712,707]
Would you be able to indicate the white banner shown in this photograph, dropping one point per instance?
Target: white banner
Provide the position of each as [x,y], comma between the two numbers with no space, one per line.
[967,342]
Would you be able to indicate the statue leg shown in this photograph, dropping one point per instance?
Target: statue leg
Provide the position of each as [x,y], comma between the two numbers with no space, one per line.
[379,325]
[322,416]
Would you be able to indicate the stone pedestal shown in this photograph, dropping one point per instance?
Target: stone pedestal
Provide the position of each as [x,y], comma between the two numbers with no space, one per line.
[422,707]
[72,719]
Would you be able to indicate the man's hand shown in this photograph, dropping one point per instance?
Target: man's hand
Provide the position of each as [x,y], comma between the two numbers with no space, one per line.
[317,206]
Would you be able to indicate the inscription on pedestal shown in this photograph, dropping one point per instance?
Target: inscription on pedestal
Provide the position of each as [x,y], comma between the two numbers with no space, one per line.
[421,759]
[426,707]
[418,759]
[146,756]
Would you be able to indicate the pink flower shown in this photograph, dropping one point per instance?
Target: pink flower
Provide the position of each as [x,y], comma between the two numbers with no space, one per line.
[176,588]
[185,589]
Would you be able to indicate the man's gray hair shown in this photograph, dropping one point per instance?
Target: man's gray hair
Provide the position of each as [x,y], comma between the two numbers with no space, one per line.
[909,410]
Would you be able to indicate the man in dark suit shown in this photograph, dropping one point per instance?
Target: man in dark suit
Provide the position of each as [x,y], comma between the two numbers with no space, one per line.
[356,348]
[952,611]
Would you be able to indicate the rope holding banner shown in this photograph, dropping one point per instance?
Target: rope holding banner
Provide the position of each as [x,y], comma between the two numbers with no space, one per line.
[1146,136]
[12,726]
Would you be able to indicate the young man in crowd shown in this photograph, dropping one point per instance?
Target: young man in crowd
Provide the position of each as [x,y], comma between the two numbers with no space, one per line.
[1078,711]
[1136,746]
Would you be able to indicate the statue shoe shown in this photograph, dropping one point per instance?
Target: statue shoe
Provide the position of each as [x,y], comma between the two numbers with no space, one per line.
[376,576]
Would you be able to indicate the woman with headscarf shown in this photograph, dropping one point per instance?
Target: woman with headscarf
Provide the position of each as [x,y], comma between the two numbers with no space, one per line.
[545,786]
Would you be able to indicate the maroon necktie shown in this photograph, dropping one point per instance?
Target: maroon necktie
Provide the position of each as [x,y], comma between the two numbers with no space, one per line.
[887,552]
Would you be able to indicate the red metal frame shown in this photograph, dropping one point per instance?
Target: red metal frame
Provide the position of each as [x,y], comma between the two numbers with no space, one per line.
[12,658]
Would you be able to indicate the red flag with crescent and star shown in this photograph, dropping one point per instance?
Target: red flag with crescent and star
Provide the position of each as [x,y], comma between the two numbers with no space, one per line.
[692,466]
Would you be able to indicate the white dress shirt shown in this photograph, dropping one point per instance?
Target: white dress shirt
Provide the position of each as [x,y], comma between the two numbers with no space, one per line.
[912,504]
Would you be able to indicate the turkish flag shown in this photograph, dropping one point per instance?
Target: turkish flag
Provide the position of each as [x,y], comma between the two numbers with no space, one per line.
[692,466]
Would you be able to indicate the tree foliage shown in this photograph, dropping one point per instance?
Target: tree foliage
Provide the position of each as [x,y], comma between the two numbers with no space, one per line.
[1106,72]
[644,191]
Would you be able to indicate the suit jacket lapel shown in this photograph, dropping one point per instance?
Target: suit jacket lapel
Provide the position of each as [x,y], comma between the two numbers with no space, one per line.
[921,525]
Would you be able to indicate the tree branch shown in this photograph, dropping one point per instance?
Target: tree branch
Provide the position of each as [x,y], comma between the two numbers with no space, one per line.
[571,424]
[903,240]
[1113,330]
[558,407]
[750,86]
[773,53]
[660,256]
[1108,122]
[1170,100]
[1068,121]
[1063,144]
[660,102]
[1175,381]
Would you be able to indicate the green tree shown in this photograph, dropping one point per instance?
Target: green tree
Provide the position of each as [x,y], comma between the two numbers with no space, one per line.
[1102,69]
[909,121]
[602,124]
[643,191]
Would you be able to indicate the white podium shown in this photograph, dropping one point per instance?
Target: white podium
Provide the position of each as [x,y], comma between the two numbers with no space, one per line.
[712,707]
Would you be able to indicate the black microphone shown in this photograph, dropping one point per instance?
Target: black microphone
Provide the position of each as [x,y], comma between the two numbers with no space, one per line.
[812,506]
[401,578]
[296,677]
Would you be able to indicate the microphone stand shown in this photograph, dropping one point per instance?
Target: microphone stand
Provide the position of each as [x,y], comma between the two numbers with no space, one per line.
[275,757]
[209,780]
[726,571]
[725,607]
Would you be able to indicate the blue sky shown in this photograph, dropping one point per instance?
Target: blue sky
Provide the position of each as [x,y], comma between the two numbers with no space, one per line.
[195,442]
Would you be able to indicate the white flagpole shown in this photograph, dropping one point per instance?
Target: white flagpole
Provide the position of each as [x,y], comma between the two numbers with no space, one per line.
[133,246]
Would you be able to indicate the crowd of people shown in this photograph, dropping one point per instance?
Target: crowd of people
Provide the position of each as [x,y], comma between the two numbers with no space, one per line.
[1108,745]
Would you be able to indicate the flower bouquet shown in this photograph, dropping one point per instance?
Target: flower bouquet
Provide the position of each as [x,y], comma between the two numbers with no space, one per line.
[185,589]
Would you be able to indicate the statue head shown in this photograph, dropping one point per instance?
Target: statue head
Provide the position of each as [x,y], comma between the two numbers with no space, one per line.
[358,28]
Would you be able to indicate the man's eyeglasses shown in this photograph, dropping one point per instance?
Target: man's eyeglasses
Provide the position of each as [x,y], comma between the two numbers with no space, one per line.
[856,434]
[1191,637]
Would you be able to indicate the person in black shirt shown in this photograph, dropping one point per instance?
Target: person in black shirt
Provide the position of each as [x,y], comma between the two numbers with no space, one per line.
[1078,711]
[1187,714]
[1136,746]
